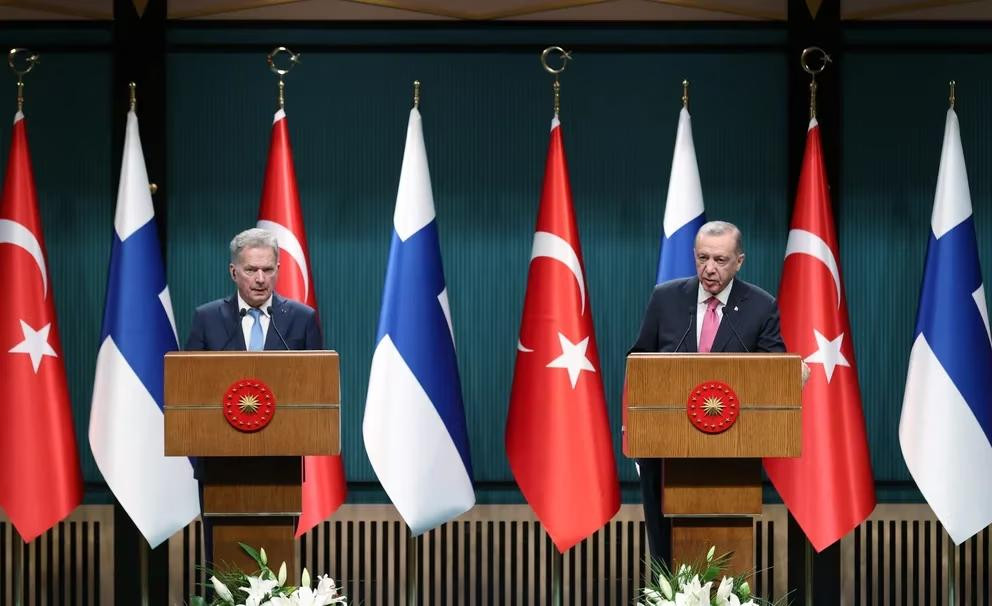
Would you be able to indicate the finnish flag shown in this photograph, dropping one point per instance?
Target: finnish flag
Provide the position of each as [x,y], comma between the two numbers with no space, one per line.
[414,425]
[946,426]
[158,492]
[683,208]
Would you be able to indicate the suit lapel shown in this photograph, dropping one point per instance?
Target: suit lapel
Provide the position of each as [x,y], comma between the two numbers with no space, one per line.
[232,324]
[277,318]
[689,344]
[725,334]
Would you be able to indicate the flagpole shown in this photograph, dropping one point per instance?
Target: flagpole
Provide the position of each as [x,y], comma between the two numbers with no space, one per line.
[412,569]
[808,572]
[294,58]
[18,545]
[685,94]
[952,573]
[565,56]
[813,71]
[30,60]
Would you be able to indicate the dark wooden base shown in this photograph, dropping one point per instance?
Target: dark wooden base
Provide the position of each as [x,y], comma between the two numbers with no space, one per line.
[693,537]
[274,533]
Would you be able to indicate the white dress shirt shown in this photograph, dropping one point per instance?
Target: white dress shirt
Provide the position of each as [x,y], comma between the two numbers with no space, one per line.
[248,321]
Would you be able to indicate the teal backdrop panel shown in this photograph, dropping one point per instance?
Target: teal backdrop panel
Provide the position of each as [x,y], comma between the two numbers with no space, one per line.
[486,118]
[895,106]
[69,134]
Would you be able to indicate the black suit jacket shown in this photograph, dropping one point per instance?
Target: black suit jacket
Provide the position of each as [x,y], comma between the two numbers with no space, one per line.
[217,326]
[750,320]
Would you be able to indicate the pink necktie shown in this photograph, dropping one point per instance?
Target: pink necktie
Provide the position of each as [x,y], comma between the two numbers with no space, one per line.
[710,323]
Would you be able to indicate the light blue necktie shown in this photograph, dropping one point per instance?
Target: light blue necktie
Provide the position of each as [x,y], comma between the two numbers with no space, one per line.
[257,341]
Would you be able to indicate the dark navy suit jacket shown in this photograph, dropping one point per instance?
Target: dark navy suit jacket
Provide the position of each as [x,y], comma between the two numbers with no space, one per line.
[217,326]
[670,320]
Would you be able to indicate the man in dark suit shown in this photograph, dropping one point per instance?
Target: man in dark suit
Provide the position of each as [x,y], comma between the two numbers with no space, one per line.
[245,320]
[713,311]
[254,318]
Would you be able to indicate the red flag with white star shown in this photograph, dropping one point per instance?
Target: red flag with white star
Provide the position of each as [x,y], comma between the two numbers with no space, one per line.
[830,488]
[40,481]
[324,484]
[558,432]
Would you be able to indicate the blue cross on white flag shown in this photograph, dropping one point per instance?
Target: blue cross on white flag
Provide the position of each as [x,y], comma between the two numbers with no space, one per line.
[158,492]
[946,427]
[683,208]
[414,425]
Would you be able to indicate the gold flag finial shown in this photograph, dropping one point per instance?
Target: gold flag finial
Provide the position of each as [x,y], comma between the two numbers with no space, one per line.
[685,94]
[416,94]
[813,72]
[565,57]
[280,72]
[951,98]
[21,61]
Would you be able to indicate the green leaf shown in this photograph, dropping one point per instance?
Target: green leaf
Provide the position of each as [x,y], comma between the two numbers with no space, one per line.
[710,574]
[745,591]
[253,554]
[197,601]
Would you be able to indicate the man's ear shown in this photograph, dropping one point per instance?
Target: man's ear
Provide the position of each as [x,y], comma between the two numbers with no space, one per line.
[231,270]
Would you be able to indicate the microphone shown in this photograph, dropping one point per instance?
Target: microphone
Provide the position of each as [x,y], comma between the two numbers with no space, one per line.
[241,314]
[272,324]
[692,316]
[726,318]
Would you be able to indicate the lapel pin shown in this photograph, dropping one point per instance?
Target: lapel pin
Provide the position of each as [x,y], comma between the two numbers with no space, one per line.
[735,308]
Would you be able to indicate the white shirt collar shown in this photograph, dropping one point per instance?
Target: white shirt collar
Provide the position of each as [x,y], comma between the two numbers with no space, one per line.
[703,295]
[263,308]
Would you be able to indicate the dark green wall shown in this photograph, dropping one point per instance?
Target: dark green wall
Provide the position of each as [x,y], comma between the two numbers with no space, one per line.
[486,121]
[486,109]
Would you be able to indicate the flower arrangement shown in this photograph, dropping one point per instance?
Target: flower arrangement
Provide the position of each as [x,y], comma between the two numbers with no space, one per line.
[692,585]
[266,588]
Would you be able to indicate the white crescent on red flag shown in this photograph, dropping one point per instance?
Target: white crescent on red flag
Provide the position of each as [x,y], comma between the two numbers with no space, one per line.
[558,436]
[40,480]
[324,487]
[830,488]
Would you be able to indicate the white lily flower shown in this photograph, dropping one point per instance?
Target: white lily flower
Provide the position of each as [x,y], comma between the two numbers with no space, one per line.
[221,589]
[305,579]
[694,594]
[282,574]
[709,554]
[257,590]
[665,586]
[723,592]
[262,556]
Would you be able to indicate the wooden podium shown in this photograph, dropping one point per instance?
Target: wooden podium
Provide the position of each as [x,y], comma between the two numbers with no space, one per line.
[251,479]
[712,481]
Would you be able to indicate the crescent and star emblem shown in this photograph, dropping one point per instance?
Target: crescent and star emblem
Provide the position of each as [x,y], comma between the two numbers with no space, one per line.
[35,344]
[828,351]
[291,246]
[573,357]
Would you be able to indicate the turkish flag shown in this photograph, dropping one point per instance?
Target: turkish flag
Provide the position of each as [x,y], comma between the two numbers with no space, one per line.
[830,488]
[324,484]
[40,481]
[558,432]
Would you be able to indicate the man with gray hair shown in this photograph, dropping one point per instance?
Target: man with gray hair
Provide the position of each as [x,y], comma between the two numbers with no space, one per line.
[254,318]
[711,311]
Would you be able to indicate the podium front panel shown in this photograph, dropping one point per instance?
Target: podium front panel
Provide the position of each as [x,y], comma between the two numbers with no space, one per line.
[658,387]
[304,384]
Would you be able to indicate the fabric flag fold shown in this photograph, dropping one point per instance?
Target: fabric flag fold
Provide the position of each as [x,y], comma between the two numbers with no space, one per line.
[40,480]
[126,432]
[829,489]
[684,213]
[945,430]
[324,485]
[414,426]
[558,437]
